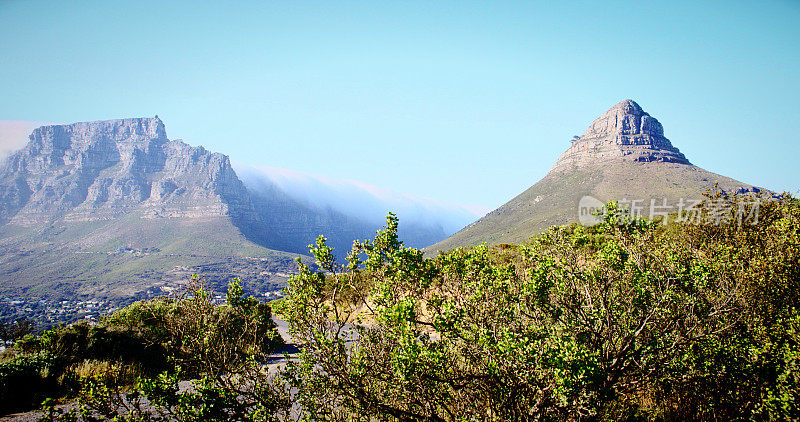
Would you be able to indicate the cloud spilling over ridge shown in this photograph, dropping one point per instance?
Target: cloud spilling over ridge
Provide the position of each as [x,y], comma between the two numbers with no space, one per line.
[367,202]
[350,197]
[14,135]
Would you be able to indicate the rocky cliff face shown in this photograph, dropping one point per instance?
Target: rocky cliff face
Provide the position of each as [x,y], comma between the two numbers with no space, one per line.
[114,209]
[100,170]
[623,132]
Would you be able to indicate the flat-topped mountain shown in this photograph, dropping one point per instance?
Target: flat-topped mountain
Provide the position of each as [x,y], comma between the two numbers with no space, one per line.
[623,155]
[115,208]
[101,170]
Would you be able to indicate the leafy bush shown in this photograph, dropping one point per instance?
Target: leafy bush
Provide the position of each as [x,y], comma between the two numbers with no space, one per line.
[26,380]
[143,351]
[16,329]
[625,320]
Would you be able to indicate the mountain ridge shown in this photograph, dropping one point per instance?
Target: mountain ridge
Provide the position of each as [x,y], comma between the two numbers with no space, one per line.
[624,131]
[115,207]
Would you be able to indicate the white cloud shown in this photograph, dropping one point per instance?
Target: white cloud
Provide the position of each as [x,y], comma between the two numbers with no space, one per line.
[359,199]
[14,135]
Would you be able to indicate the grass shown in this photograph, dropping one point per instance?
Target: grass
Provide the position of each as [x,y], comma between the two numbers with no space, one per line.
[123,257]
[523,217]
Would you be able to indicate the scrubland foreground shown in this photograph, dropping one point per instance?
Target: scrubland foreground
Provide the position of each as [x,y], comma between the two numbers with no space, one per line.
[626,320]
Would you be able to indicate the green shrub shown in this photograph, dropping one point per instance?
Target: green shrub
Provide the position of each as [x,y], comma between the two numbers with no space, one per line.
[26,380]
[106,365]
[626,320]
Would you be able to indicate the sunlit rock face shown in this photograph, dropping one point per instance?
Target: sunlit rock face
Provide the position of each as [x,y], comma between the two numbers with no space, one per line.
[624,132]
[99,170]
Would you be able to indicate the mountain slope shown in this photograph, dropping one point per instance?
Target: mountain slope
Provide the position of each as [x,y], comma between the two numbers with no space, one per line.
[623,156]
[344,210]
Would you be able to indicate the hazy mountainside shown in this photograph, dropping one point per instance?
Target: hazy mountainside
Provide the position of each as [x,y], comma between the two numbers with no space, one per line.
[14,135]
[623,156]
[115,208]
[345,209]
[299,223]
[360,200]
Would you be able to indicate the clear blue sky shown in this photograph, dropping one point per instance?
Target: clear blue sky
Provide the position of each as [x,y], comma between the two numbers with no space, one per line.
[467,102]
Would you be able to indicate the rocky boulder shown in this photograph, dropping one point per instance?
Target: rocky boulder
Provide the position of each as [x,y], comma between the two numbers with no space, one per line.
[623,132]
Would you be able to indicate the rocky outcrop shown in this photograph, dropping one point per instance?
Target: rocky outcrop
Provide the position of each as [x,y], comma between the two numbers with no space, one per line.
[100,170]
[624,132]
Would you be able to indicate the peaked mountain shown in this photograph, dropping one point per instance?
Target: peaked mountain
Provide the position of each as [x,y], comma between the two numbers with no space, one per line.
[115,208]
[623,156]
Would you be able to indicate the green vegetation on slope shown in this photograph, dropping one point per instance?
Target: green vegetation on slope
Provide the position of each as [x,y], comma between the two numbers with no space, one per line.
[123,257]
[150,347]
[626,320]
[554,199]
[622,321]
